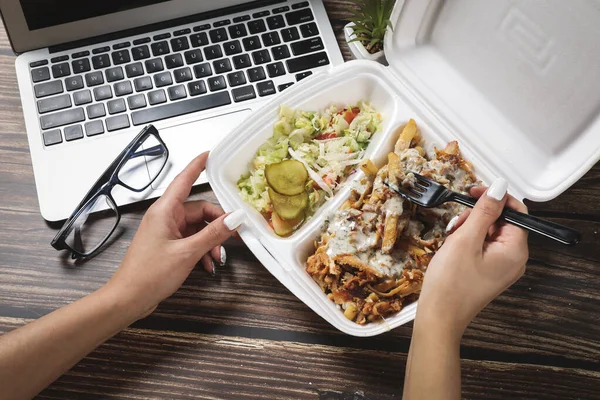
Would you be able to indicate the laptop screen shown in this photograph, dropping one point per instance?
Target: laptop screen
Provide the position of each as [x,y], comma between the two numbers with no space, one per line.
[45,13]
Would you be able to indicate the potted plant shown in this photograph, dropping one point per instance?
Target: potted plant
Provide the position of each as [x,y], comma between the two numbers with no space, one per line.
[369,22]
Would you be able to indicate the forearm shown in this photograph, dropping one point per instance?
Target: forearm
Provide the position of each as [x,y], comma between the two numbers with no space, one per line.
[433,367]
[35,355]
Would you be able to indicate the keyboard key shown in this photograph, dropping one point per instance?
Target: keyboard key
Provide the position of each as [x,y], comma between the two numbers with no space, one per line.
[94,128]
[38,63]
[218,35]
[280,52]
[260,14]
[236,79]
[61,118]
[196,88]
[202,70]
[114,74]
[102,93]
[80,54]
[40,74]
[257,26]
[121,45]
[233,47]
[307,62]
[303,75]
[101,50]
[199,39]
[182,32]
[82,97]
[116,123]
[143,83]
[279,10]
[82,65]
[241,61]
[73,132]
[275,69]
[270,38]
[177,92]
[201,27]
[161,36]
[123,88]
[243,93]
[216,83]
[136,101]
[74,83]
[299,5]
[289,34]
[116,106]
[183,74]
[275,22]
[281,88]
[251,43]
[133,70]
[54,103]
[309,30]
[299,17]
[222,23]
[101,61]
[52,137]
[95,111]
[120,57]
[160,48]
[307,46]
[222,65]
[193,56]
[237,31]
[60,70]
[163,79]
[157,97]
[94,78]
[174,61]
[140,53]
[261,57]
[195,104]
[154,65]
[141,41]
[59,59]
[256,74]
[212,52]
[241,18]
[265,88]
[48,88]
[180,44]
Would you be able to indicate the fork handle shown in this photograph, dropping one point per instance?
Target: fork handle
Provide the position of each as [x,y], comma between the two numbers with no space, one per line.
[552,230]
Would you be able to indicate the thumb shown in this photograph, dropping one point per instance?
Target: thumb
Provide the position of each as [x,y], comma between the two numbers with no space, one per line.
[487,210]
[214,233]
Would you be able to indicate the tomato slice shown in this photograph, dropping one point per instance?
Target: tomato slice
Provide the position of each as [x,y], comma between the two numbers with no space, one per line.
[323,136]
[349,115]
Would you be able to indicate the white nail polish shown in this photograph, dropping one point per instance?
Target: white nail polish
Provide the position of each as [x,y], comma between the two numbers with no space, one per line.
[498,189]
[451,224]
[234,220]
[223,259]
[214,268]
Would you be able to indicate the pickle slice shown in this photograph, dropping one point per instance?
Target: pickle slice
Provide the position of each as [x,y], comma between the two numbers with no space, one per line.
[288,207]
[287,177]
[285,227]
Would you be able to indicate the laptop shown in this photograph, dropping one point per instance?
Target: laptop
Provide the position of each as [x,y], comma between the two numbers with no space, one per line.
[92,74]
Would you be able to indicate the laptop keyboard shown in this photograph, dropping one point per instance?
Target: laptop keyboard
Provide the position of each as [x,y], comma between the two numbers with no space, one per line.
[148,79]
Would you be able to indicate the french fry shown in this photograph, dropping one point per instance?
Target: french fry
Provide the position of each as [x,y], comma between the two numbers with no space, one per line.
[390,233]
[407,135]
[369,168]
[393,169]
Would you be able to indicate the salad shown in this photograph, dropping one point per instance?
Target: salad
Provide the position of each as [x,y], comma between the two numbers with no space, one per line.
[306,161]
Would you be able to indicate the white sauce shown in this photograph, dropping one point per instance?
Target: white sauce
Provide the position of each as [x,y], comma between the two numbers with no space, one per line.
[393,206]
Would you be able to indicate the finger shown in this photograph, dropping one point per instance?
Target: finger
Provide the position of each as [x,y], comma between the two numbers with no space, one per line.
[486,211]
[457,221]
[214,233]
[219,255]
[181,186]
[208,264]
[477,191]
[199,211]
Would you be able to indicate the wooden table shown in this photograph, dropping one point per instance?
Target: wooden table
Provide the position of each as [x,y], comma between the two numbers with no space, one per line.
[241,334]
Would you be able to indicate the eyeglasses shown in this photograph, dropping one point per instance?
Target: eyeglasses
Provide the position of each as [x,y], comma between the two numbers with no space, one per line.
[96,217]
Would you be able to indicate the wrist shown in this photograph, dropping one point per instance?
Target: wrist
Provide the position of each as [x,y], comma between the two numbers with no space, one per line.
[124,298]
[443,325]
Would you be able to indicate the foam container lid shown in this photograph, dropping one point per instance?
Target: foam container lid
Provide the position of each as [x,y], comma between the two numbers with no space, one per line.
[517,83]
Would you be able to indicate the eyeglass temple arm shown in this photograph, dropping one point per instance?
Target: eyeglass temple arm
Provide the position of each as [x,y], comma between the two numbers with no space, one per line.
[152,151]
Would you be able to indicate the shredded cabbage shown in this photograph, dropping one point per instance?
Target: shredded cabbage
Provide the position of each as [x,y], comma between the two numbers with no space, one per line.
[327,144]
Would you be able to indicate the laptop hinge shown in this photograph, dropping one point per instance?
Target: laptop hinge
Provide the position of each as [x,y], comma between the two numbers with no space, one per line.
[162,25]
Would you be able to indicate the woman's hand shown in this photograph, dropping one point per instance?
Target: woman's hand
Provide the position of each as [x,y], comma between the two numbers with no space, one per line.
[172,238]
[478,261]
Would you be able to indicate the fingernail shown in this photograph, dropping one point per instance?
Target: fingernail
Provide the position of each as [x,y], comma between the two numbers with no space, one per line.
[234,220]
[498,189]
[223,259]
[451,224]
[214,268]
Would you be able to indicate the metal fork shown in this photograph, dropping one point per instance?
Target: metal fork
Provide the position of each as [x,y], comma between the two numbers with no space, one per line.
[427,193]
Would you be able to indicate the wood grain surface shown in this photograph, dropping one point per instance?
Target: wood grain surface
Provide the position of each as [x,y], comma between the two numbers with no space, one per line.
[243,335]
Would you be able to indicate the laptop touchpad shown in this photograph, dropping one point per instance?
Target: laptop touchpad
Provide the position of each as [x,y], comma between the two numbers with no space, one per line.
[188,140]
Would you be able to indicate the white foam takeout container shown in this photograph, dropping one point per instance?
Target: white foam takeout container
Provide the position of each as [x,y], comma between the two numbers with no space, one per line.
[517,83]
